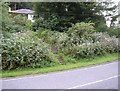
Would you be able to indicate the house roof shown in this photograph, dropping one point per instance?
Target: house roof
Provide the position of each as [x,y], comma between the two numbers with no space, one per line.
[22,11]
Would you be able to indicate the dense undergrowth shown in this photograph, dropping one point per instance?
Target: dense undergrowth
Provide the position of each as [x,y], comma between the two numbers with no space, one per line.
[24,48]
[72,63]
[46,48]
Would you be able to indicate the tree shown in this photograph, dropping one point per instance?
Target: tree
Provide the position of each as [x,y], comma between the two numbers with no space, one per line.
[20,5]
[112,13]
[68,13]
[11,23]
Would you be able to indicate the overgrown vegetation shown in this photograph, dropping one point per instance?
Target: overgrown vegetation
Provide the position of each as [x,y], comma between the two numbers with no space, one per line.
[11,23]
[60,16]
[33,50]
[72,64]
[23,48]
[25,51]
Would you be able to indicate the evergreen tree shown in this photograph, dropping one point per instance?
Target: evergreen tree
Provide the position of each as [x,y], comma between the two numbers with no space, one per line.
[61,15]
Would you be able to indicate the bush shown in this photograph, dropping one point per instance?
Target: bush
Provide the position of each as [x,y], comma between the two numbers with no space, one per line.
[52,37]
[81,29]
[101,43]
[78,34]
[22,50]
[20,23]
[12,23]
[95,49]
[53,22]
[102,27]
[114,32]
[15,24]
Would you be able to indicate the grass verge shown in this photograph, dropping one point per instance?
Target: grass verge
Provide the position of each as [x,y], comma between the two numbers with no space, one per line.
[81,63]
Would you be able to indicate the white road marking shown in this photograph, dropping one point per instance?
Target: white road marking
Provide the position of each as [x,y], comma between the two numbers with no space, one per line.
[27,77]
[78,86]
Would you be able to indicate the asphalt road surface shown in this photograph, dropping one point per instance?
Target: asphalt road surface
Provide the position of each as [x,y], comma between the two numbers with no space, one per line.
[104,76]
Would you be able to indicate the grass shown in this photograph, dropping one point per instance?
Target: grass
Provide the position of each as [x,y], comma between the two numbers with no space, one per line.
[81,63]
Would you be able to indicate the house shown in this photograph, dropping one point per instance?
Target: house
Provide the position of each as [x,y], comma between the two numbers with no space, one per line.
[29,13]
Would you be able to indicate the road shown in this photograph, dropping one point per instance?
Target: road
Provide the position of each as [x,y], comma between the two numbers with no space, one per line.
[104,76]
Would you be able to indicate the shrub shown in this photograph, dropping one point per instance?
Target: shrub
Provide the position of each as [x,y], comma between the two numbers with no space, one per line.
[102,27]
[53,22]
[12,23]
[52,37]
[91,50]
[22,50]
[114,32]
[16,24]
[21,23]
[102,43]
[81,29]
[78,34]
[53,57]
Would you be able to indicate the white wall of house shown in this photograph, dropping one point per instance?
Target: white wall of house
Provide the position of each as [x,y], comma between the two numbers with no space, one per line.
[31,17]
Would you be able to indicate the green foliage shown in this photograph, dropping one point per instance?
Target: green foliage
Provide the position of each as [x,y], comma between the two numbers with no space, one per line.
[28,25]
[49,23]
[87,51]
[53,22]
[70,59]
[101,43]
[23,50]
[5,21]
[52,37]
[21,5]
[60,16]
[102,27]
[114,32]
[10,23]
[53,57]
[18,23]
[82,63]
[27,49]
[78,33]
[81,29]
